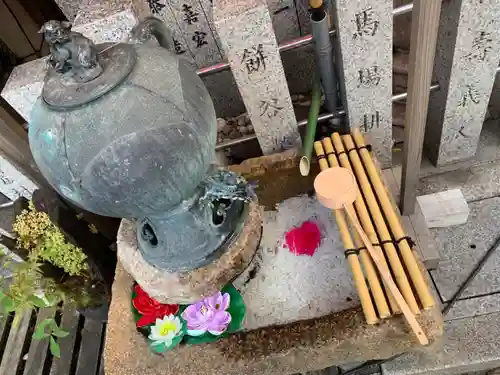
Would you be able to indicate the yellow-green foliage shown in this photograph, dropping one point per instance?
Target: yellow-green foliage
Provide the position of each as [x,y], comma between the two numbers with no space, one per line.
[44,241]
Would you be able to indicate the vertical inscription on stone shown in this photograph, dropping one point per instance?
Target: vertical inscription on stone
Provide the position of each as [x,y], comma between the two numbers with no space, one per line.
[160,9]
[367,23]
[365,36]
[179,49]
[254,58]
[189,15]
[194,25]
[155,6]
[369,77]
[481,45]
[371,121]
[470,94]
[199,38]
[269,108]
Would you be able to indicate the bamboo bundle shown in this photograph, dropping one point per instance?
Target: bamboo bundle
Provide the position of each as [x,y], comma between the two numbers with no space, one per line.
[371,274]
[363,213]
[352,257]
[385,236]
[400,237]
[337,189]
[372,208]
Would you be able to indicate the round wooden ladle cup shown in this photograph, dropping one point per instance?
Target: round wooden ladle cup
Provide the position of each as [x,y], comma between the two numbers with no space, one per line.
[336,188]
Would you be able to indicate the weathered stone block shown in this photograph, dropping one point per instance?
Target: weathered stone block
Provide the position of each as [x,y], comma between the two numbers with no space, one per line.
[465,66]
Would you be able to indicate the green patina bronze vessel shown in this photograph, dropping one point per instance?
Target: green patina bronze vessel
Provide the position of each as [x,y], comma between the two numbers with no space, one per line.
[129,130]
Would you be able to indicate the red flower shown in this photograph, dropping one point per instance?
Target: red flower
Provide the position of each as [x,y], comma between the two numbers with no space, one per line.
[149,308]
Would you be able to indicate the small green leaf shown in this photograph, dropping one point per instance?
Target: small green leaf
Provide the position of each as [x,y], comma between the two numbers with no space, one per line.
[58,332]
[54,347]
[40,334]
[37,301]
[158,348]
[7,304]
[43,335]
[40,329]
[2,295]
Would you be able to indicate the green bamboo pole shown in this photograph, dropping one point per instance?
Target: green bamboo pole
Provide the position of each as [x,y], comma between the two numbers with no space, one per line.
[305,160]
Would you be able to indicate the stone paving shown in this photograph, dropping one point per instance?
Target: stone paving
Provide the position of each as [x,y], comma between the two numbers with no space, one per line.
[472,328]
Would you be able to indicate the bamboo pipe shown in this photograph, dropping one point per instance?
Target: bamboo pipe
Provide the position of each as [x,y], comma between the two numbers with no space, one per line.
[406,252]
[376,214]
[312,121]
[371,274]
[364,216]
[352,259]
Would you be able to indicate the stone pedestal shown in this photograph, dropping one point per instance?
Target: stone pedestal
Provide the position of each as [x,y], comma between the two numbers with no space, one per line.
[465,66]
[297,347]
[365,34]
[246,32]
[302,312]
[189,287]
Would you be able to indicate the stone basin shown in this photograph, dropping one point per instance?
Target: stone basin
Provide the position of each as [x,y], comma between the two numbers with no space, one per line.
[303,312]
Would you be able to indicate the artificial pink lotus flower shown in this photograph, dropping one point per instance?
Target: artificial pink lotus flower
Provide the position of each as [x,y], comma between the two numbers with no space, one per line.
[208,315]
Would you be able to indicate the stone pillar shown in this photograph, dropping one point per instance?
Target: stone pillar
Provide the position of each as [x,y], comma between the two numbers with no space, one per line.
[285,21]
[246,32]
[24,86]
[365,36]
[465,66]
[302,7]
[69,8]
[208,9]
[108,20]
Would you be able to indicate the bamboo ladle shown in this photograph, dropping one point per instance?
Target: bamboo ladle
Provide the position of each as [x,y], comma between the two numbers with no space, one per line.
[336,188]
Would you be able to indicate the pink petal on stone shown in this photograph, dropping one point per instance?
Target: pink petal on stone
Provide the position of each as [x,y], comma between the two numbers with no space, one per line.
[303,240]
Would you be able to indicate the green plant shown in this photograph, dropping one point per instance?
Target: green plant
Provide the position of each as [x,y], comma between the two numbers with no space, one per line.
[24,293]
[29,288]
[44,241]
[48,328]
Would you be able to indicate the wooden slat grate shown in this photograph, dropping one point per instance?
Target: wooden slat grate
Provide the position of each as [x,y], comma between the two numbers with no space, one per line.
[81,350]
[14,346]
